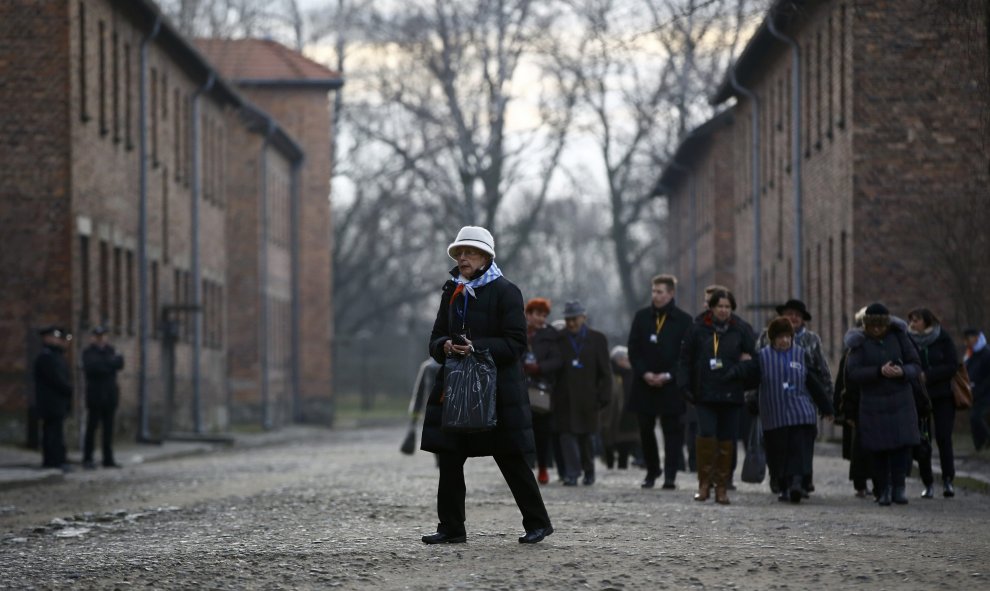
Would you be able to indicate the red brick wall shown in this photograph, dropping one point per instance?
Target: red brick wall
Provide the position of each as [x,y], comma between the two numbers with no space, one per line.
[305,115]
[921,160]
[35,214]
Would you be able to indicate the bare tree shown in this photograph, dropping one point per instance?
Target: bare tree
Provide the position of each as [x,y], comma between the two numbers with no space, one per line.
[642,88]
[228,19]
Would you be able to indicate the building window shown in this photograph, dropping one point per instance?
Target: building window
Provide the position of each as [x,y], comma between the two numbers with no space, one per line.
[118,290]
[165,220]
[83,108]
[831,297]
[186,139]
[102,64]
[165,95]
[115,76]
[128,127]
[177,132]
[831,73]
[153,116]
[84,311]
[155,315]
[807,104]
[841,123]
[819,96]
[844,239]
[129,314]
[104,285]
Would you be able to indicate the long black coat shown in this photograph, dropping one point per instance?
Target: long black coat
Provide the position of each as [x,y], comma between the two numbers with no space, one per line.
[582,392]
[495,321]
[939,361]
[657,357]
[101,365]
[52,383]
[695,376]
[544,346]
[887,417]
[978,367]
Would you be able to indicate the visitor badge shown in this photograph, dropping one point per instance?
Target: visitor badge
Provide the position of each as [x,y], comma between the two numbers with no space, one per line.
[576,364]
[795,365]
[715,363]
[653,338]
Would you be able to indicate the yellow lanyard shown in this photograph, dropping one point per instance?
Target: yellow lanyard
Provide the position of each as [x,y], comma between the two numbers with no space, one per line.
[716,345]
[660,322]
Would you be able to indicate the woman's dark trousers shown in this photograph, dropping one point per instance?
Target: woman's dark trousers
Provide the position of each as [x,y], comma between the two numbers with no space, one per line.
[543,435]
[944,419]
[790,452]
[890,467]
[518,475]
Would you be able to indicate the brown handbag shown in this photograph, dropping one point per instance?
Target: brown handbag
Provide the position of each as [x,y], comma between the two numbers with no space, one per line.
[962,393]
[539,400]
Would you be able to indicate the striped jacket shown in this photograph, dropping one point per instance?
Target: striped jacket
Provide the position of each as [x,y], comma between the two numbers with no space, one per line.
[789,390]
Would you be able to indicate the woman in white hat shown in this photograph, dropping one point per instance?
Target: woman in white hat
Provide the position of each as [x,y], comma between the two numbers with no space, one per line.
[480,309]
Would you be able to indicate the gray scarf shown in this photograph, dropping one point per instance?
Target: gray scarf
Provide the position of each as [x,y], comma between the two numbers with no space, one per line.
[925,339]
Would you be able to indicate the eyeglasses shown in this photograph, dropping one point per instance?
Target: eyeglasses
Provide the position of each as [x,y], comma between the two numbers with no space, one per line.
[466,251]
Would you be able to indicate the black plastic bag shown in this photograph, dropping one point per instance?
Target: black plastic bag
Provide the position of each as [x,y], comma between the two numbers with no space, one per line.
[469,393]
[754,467]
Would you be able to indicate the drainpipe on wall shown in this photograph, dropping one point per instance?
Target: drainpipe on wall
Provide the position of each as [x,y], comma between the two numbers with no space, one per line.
[757,239]
[197,273]
[795,154]
[143,434]
[266,417]
[295,345]
[693,214]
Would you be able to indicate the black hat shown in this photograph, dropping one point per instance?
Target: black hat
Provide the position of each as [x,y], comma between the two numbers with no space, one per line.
[574,308]
[877,309]
[797,306]
[99,329]
[55,330]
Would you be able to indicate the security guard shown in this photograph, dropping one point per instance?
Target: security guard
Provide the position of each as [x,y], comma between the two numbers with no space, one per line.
[53,395]
[101,364]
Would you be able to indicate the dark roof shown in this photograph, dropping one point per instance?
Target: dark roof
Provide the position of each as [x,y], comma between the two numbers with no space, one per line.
[753,55]
[689,149]
[145,13]
[263,62]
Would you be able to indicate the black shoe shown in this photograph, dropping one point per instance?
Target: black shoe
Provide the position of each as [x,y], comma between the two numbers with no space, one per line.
[948,491]
[112,465]
[444,538]
[783,496]
[900,495]
[668,485]
[570,482]
[796,491]
[536,535]
[929,492]
[649,481]
[89,465]
[884,499]
[588,481]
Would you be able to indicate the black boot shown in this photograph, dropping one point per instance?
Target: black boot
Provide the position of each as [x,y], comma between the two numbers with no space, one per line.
[929,492]
[948,491]
[796,490]
[900,495]
[884,500]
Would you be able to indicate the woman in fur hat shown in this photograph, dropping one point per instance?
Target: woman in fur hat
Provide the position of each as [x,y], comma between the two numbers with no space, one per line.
[791,396]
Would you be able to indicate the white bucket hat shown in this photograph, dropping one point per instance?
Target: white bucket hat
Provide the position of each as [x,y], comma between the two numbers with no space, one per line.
[475,237]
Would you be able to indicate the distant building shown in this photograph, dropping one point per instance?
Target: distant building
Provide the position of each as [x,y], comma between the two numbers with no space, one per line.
[129,162]
[892,155]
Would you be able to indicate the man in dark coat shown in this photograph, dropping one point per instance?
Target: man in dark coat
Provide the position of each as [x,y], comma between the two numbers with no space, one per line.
[883,362]
[100,364]
[654,349]
[978,367]
[53,395]
[481,310]
[584,387]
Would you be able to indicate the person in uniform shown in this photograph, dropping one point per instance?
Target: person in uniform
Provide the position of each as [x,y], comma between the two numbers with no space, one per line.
[100,364]
[53,395]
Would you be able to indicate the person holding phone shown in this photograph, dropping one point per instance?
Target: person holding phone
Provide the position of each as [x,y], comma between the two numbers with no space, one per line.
[882,362]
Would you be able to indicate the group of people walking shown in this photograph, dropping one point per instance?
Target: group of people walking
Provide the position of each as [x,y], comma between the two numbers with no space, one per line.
[557,389]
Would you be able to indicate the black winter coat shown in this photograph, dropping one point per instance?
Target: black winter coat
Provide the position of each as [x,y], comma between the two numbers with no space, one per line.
[661,356]
[52,383]
[940,362]
[978,367]
[495,321]
[101,365]
[696,378]
[886,413]
[581,392]
[544,346]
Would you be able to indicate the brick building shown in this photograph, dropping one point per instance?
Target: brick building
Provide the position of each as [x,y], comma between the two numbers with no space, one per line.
[861,198]
[126,158]
[294,90]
